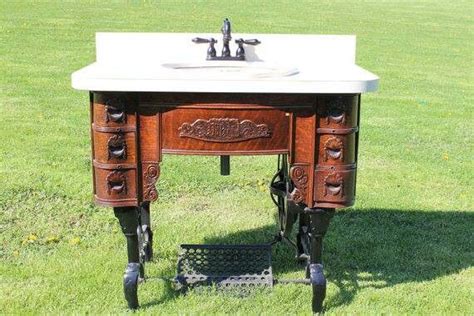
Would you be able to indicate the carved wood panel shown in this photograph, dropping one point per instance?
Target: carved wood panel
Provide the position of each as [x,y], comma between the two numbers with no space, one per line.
[299,177]
[224,130]
[151,173]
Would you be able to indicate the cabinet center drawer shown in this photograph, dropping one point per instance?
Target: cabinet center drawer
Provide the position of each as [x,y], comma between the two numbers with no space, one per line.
[247,130]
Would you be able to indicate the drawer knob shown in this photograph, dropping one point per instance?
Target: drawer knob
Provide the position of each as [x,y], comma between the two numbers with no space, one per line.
[114,111]
[333,149]
[333,185]
[337,115]
[116,183]
[336,111]
[117,147]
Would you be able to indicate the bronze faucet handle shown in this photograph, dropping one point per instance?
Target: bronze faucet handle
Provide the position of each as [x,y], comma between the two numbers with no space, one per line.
[211,51]
[240,53]
[200,40]
[253,41]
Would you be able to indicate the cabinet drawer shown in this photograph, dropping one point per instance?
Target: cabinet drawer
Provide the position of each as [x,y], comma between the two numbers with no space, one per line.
[114,110]
[115,186]
[211,130]
[336,149]
[334,186]
[115,148]
[338,111]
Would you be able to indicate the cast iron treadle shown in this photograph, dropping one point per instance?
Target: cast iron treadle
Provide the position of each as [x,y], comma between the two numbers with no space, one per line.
[225,265]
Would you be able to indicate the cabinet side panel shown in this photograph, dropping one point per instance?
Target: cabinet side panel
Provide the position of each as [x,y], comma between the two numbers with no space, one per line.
[91,113]
[149,129]
[150,151]
[303,130]
[302,155]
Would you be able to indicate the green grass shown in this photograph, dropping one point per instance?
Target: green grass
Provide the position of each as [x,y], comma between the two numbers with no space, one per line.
[405,248]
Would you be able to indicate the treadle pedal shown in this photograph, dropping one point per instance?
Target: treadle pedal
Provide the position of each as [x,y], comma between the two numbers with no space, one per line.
[225,265]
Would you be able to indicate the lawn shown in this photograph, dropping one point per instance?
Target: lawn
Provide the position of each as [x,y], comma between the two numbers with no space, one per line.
[406,247]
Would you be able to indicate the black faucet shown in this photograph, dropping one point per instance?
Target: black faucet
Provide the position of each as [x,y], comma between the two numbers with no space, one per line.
[226,37]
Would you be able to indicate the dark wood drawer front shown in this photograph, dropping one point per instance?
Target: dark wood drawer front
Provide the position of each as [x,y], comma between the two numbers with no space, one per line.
[338,111]
[225,131]
[114,110]
[115,148]
[334,187]
[115,186]
[336,149]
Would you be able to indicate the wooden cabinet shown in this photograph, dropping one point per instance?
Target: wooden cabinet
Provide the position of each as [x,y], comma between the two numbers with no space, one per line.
[131,132]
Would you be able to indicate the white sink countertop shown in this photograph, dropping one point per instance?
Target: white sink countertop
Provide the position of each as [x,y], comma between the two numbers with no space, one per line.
[171,62]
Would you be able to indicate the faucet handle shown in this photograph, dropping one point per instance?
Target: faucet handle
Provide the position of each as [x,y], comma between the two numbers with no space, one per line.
[240,53]
[200,40]
[211,51]
[253,41]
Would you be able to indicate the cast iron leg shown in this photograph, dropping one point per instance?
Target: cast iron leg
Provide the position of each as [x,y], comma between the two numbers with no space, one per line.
[318,225]
[147,234]
[129,221]
[303,239]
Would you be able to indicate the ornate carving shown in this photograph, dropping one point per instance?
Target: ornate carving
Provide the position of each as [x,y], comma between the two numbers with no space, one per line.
[300,180]
[224,130]
[116,182]
[117,147]
[333,148]
[333,184]
[115,111]
[150,177]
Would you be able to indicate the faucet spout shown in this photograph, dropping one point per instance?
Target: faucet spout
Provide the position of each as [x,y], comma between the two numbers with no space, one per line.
[226,33]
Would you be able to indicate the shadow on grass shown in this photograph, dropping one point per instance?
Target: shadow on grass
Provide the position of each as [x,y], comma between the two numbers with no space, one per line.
[377,248]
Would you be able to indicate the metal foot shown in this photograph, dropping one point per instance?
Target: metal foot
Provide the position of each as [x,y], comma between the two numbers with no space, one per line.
[318,283]
[130,284]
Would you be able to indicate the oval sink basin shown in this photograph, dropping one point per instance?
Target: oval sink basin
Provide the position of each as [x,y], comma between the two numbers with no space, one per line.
[231,70]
